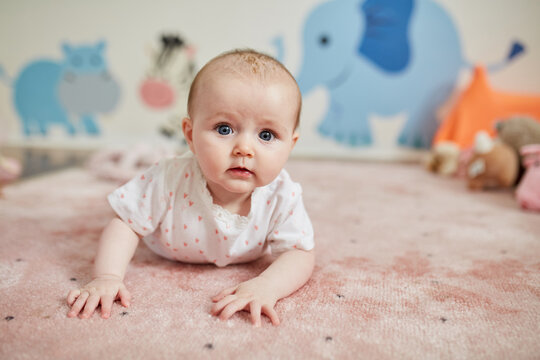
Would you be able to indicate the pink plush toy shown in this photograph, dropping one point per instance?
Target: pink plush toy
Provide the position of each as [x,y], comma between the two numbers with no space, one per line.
[10,169]
[123,163]
[528,190]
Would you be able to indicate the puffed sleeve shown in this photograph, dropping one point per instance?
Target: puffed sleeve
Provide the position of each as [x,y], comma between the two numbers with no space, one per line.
[144,200]
[292,228]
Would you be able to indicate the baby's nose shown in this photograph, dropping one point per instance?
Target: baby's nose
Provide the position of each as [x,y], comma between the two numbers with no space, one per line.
[243,147]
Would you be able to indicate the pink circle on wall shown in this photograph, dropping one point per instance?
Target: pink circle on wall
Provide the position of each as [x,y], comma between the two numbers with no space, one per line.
[157,94]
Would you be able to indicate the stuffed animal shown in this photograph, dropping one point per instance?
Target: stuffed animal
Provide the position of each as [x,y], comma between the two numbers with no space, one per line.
[518,132]
[443,158]
[10,169]
[447,159]
[123,163]
[479,107]
[528,190]
[496,163]
[493,164]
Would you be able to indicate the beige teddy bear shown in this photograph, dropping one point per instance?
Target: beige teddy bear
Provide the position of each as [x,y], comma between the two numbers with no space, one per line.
[496,163]
[493,164]
[519,131]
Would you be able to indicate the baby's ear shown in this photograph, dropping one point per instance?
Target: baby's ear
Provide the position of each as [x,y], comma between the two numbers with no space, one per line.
[187,129]
[295,137]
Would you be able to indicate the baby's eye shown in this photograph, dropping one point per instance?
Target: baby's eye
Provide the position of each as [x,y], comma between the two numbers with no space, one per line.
[266,135]
[224,129]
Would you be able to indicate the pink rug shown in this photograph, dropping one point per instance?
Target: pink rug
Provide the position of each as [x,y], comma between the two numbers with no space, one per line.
[409,266]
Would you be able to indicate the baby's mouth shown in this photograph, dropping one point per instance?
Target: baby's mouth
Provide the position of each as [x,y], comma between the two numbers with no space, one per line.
[240,172]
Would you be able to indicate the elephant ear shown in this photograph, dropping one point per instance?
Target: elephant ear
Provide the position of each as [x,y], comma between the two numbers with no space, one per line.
[385,41]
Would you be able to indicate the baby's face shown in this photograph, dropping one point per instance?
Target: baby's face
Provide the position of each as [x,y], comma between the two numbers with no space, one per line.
[242,131]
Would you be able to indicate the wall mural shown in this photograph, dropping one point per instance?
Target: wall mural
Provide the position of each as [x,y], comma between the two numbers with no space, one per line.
[69,92]
[382,57]
[168,80]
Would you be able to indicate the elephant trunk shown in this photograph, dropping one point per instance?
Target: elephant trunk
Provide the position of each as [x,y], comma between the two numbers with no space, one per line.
[302,78]
[306,81]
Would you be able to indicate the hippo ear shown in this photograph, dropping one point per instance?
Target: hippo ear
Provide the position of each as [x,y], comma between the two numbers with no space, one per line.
[66,48]
[100,46]
[385,41]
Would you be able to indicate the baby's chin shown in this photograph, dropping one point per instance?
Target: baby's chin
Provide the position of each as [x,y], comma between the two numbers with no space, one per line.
[239,187]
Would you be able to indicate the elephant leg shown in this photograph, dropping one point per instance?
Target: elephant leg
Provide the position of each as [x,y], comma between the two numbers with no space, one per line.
[64,120]
[90,124]
[419,128]
[355,131]
[32,124]
[422,123]
[354,128]
[347,124]
[69,127]
[328,126]
[43,126]
[27,127]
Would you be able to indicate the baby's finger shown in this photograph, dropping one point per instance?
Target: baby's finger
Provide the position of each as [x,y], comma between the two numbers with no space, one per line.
[124,296]
[106,306]
[78,304]
[90,307]
[224,293]
[233,308]
[72,296]
[216,309]
[255,310]
[271,313]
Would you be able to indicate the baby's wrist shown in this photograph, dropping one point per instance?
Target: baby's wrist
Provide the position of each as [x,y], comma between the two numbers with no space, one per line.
[108,276]
[269,280]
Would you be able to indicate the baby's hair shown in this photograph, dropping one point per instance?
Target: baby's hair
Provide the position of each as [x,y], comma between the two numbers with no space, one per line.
[245,62]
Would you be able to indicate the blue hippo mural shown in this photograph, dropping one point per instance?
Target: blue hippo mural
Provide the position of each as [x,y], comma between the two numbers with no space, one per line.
[382,57]
[48,92]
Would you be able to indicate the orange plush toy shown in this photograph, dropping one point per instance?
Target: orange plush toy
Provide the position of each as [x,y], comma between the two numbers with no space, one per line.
[479,108]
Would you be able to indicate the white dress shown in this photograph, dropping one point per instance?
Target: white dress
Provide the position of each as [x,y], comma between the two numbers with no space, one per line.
[171,207]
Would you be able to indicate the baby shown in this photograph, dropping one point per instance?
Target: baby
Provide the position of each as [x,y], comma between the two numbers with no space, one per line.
[227,201]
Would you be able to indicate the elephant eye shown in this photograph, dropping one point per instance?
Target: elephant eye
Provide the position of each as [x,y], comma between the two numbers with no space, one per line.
[324,40]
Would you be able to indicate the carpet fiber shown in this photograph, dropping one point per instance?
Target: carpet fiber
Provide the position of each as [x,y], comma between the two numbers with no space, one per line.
[409,266]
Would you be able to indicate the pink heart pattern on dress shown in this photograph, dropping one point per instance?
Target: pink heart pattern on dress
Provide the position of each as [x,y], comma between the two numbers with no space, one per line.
[185,212]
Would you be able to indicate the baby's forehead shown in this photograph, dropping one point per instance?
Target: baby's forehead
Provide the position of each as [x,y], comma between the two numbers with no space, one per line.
[245,66]
[246,62]
[248,66]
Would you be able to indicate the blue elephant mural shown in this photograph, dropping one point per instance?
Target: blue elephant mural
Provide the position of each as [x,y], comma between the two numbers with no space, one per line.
[48,92]
[382,57]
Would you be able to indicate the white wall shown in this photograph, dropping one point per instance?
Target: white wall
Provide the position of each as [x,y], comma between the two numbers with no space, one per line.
[31,29]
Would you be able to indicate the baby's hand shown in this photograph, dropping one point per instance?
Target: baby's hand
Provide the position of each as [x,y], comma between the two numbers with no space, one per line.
[104,290]
[255,296]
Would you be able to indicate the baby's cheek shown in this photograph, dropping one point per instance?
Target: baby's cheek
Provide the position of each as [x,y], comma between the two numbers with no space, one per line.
[211,163]
[267,175]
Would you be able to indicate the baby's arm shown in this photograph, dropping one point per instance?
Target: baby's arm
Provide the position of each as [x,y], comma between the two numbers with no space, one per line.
[116,248]
[288,273]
